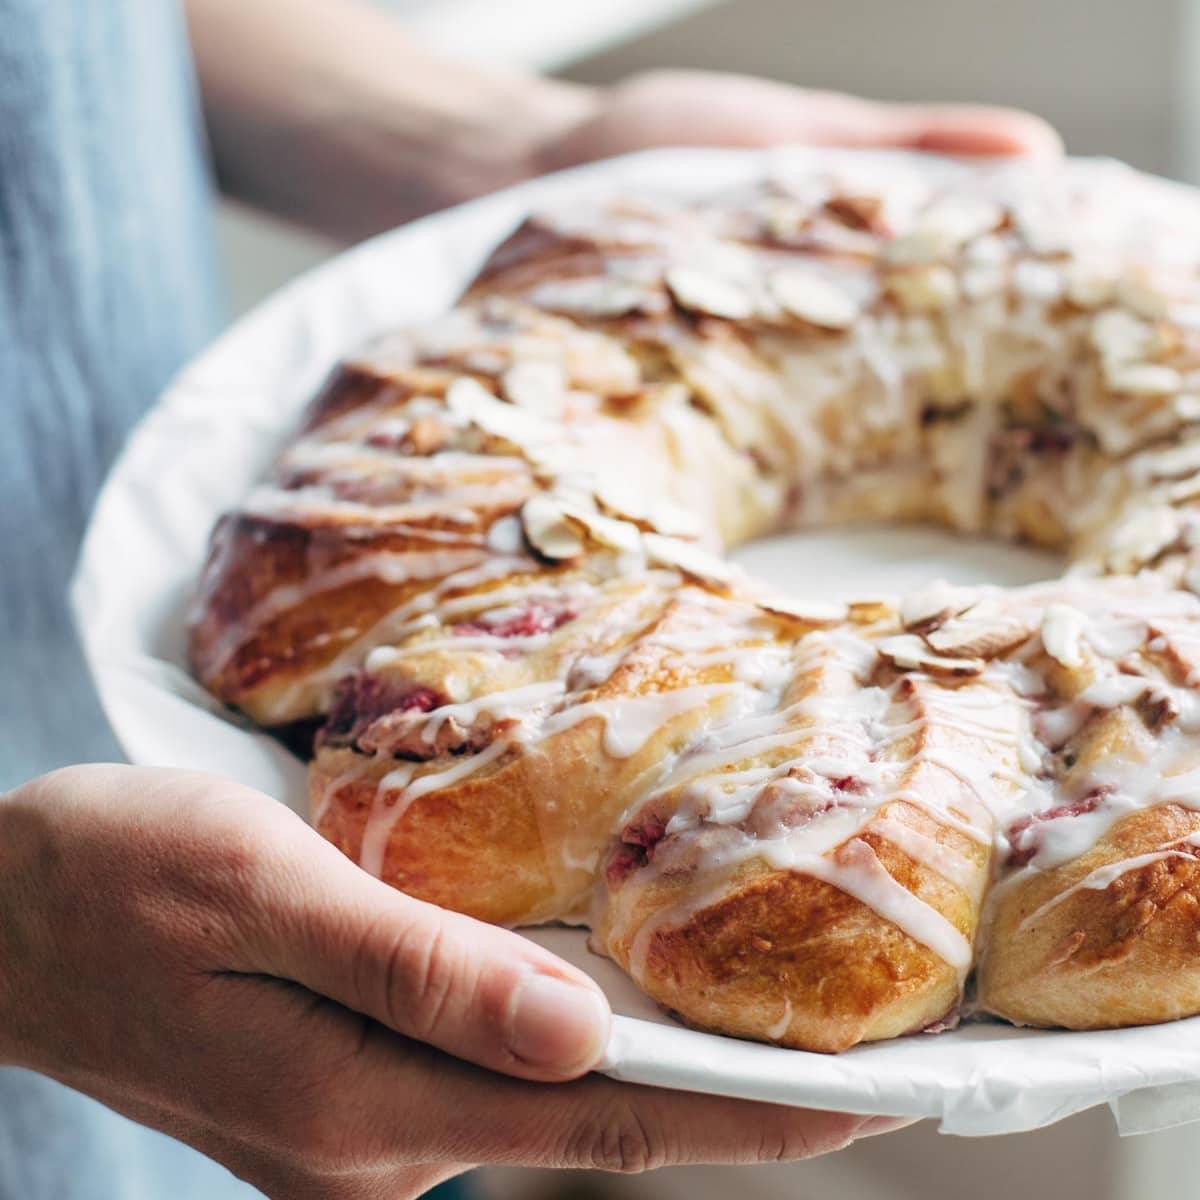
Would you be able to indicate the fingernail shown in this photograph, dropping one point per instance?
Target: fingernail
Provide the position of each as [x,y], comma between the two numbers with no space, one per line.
[557,1026]
[876,1125]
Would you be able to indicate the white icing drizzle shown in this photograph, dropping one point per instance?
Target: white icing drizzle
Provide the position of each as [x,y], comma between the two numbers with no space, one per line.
[759,746]
[390,567]
[328,792]
[400,784]
[319,502]
[670,917]
[437,780]
[1103,877]
[952,866]
[516,703]
[631,721]
[397,622]
[857,871]
[780,1027]
[712,797]
[388,806]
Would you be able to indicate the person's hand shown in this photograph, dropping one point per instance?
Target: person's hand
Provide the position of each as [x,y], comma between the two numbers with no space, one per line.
[708,108]
[328,114]
[192,954]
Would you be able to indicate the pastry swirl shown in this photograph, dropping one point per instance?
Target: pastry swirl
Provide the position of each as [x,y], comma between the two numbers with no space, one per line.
[486,579]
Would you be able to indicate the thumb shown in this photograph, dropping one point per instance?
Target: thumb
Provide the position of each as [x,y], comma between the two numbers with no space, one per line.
[478,992]
[972,129]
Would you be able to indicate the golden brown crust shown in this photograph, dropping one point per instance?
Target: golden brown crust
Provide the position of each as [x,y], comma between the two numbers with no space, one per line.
[788,958]
[536,820]
[1101,957]
[515,845]
[785,956]
[467,848]
[271,669]
[537,250]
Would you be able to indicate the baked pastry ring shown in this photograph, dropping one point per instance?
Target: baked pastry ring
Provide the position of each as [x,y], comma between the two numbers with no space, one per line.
[483,586]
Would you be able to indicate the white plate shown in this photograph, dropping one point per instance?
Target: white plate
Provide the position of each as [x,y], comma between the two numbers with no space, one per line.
[200,450]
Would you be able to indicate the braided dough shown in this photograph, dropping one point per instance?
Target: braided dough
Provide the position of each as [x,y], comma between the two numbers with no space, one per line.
[484,586]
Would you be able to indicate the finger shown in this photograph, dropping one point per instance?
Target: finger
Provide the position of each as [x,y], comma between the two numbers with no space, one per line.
[972,129]
[734,110]
[623,1127]
[322,1092]
[467,1115]
[475,991]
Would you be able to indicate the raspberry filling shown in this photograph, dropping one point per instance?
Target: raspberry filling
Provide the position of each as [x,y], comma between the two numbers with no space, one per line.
[538,616]
[1052,439]
[363,698]
[1012,453]
[638,841]
[777,810]
[1024,835]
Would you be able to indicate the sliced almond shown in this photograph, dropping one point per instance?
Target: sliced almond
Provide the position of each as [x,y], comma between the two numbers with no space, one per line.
[673,521]
[1137,292]
[980,632]
[1143,379]
[596,297]
[923,289]
[540,387]
[943,229]
[504,537]
[1191,576]
[548,529]
[988,251]
[470,400]
[861,211]
[574,489]
[908,652]
[1062,634]
[703,291]
[1039,224]
[551,461]
[932,605]
[810,613]
[628,502]
[869,611]
[1139,539]
[686,557]
[918,246]
[783,217]
[617,535]
[812,298]
[1120,337]
[465,394]
[982,281]
[1037,280]
[1089,287]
